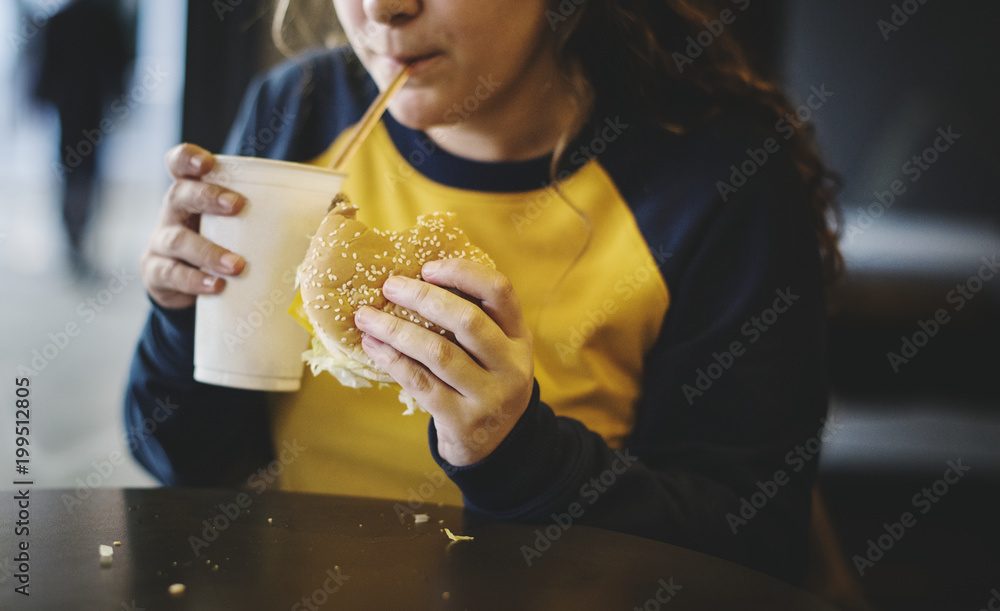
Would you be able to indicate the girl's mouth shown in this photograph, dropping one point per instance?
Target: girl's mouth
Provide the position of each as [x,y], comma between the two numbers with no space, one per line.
[417,63]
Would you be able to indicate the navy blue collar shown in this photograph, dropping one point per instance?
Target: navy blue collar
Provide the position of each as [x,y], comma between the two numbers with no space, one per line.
[442,167]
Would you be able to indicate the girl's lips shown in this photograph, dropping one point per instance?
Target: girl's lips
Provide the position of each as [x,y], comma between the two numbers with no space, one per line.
[417,63]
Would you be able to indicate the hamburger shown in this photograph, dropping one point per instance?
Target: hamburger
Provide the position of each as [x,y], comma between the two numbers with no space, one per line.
[344,269]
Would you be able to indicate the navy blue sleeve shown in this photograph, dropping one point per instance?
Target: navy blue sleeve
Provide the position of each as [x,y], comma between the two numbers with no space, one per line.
[183,432]
[716,461]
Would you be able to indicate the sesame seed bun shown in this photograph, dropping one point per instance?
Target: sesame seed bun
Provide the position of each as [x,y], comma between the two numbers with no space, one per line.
[345,268]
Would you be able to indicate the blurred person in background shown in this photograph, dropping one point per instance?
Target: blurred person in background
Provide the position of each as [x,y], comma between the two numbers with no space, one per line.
[84,55]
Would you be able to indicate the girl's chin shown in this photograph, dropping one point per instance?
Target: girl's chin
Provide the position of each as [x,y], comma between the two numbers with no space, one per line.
[419,116]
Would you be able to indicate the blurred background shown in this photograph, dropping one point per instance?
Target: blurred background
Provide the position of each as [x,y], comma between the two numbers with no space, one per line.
[909,103]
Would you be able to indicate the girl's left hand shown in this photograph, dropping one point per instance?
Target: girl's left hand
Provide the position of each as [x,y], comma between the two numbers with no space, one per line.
[475,391]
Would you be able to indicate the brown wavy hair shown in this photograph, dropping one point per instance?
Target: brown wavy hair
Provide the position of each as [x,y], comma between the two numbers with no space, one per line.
[622,52]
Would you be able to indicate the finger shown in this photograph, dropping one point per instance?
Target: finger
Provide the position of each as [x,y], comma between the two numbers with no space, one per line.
[173,284]
[436,354]
[187,246]
[187,198]
[492,288]
[430,392]
[189,161]
[473,328]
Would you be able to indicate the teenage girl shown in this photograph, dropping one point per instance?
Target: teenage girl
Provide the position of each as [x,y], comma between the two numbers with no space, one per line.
[648,355]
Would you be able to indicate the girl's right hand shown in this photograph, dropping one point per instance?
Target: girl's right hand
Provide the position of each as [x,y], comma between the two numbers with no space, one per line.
[179,264]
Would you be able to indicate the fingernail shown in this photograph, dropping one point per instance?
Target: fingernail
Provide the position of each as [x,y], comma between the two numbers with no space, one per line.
[197,162]
[230,261]
[392,284]
[364,315]
[430,267]
[228,200]
[210,282]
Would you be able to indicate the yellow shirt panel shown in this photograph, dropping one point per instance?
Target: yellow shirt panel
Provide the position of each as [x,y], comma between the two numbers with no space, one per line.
[590,291]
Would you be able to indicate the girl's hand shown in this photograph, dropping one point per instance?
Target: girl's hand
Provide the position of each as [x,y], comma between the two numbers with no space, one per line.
[176,255]
[476,391]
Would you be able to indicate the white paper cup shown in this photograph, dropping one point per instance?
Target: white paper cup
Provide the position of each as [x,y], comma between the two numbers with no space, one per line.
[244,336]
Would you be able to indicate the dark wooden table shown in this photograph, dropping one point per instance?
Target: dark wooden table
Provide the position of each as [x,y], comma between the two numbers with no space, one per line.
[300,551]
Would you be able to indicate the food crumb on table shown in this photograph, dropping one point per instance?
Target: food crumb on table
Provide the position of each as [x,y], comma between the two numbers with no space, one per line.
[177,589]
[420,518]
[455,537]
[106,552]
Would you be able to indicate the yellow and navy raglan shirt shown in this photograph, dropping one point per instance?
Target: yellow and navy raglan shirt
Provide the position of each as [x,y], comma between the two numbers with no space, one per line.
[672,284]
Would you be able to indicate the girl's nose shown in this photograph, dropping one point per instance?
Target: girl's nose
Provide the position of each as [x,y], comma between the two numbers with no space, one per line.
[391,12]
